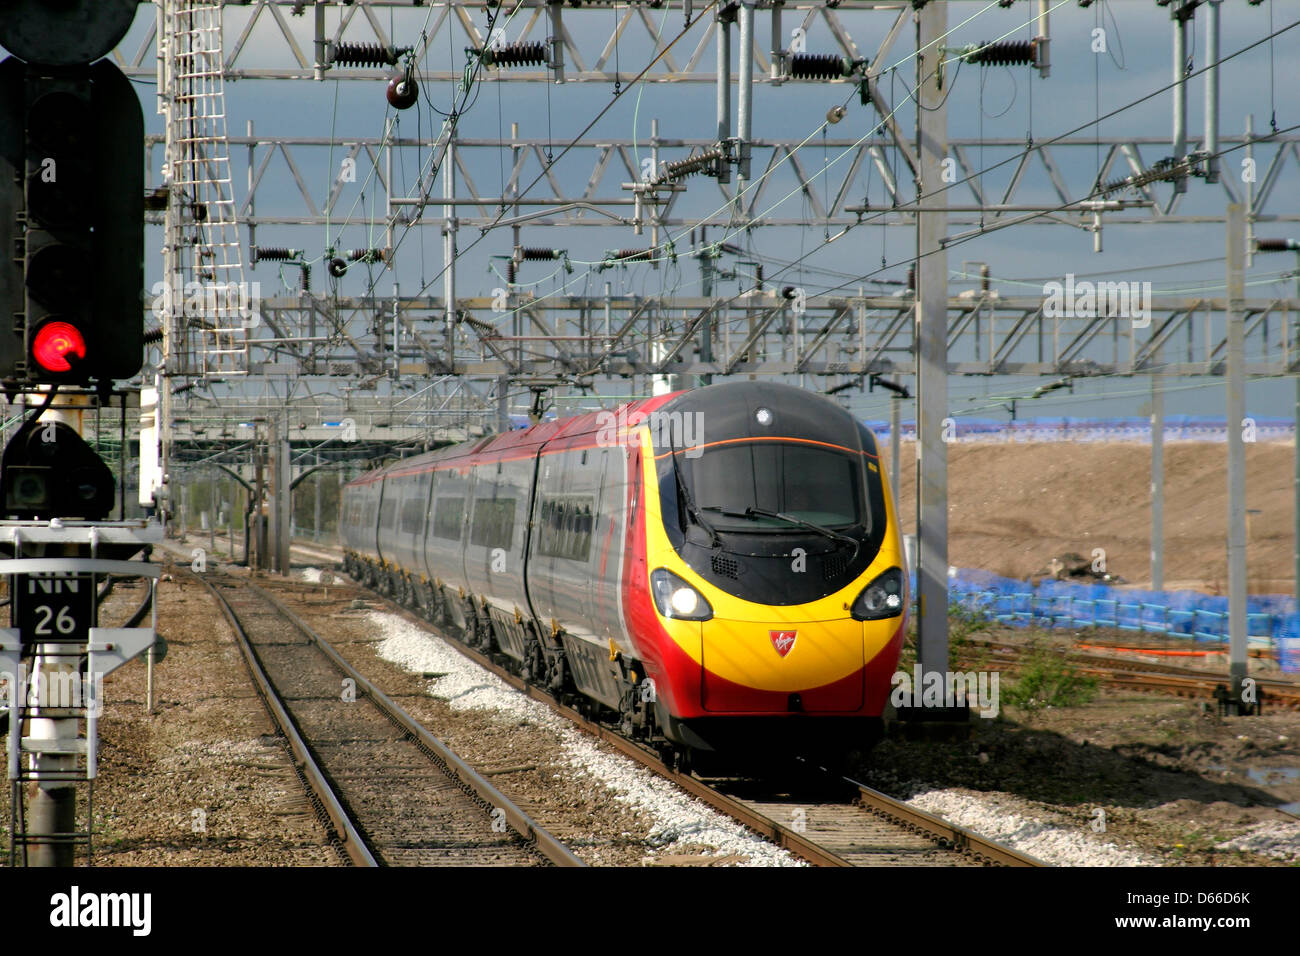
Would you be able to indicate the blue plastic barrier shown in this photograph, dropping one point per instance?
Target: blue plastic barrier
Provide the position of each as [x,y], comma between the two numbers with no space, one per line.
[1177,428]
[1203,617]
[1287,641]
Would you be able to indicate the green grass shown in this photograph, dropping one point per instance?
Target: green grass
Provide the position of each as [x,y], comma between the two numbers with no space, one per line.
[1048,679]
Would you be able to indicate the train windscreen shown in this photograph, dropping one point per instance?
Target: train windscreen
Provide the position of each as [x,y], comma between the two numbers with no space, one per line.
[808,482]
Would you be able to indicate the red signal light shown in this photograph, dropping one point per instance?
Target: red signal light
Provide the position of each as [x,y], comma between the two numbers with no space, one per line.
[54,343]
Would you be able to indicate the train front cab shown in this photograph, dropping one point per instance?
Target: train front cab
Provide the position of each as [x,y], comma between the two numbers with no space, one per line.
[782,637]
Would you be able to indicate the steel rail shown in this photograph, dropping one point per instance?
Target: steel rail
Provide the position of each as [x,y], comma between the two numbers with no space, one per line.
[519,821]
[1152,675]
[948,835]
[353,844]
[961,839]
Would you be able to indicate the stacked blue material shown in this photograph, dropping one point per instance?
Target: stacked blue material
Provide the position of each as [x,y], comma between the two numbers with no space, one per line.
[1288,644]
[1202,617]
[1177,428]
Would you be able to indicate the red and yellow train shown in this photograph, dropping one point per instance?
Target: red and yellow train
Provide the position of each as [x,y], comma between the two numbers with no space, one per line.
[721,568]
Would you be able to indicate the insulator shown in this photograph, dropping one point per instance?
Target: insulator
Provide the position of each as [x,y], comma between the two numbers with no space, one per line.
[1113,186]
[152,336]
[366,255]
[521,53]
[510,272]
[306,278]
[1274,245]
[682,168]
[819,66]
[402,92]
[274,254]
[1167,168]
[363,54]
[631,255]
[338,267]
[1002,53]
[537,254]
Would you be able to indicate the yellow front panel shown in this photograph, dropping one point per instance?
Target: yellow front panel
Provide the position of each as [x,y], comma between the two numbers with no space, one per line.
[736,646]
[743,652]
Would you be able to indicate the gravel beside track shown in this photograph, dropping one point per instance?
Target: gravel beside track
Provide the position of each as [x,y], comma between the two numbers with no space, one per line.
[867,829]
[408,806]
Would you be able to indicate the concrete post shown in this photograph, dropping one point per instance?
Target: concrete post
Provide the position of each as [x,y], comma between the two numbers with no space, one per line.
[1157,483]
[932,346]
[1236,388]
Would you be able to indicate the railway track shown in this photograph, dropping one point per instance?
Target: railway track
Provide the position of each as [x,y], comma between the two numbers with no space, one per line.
[389,791]
[858,827]
[1126,673]
[1153,676]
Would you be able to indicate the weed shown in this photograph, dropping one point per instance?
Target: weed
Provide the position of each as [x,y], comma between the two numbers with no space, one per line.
[1048,679]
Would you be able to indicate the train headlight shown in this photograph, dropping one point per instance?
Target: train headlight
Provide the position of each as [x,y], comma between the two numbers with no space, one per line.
[677,599]
[882,598]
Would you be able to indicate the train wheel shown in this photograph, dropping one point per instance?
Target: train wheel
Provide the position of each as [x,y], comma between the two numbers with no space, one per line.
[683,760]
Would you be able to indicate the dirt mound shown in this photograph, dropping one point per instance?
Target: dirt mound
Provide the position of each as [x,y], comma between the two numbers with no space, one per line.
[1013,507]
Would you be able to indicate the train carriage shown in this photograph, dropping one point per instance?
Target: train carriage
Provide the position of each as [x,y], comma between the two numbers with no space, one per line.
[720,568]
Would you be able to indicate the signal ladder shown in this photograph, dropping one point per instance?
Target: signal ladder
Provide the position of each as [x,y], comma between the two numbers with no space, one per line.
[202,244]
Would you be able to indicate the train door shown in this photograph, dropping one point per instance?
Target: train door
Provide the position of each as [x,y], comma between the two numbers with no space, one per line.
[615,507]
[373,529]
[389,492]
[444,545]
[530,536]
[413,505]
[565,508]
[606,543]
[421,546]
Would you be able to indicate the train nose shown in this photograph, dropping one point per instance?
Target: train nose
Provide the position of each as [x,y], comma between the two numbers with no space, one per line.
[783,666]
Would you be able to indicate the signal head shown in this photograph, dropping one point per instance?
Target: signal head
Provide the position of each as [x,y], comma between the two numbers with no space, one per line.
[58,347]
[48,471]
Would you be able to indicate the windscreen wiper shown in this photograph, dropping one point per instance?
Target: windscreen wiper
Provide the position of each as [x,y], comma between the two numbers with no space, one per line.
[691,509]
[753,513]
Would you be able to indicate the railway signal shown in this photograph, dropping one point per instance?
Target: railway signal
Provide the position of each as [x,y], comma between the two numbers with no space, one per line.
[48,471]
[71,206]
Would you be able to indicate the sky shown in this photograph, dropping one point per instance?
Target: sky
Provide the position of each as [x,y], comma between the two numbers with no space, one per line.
[1011,104]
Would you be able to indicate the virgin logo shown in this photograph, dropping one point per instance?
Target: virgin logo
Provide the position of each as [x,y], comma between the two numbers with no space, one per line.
[783,641]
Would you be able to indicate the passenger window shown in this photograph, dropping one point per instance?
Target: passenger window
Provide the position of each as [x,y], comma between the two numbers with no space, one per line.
[565,526]
[494,522]
[448,513]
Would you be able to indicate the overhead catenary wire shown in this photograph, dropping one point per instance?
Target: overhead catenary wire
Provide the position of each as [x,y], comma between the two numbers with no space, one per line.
[757,180]
[755,183]
[944,187]
[636,81]
[885,267]
[859,278]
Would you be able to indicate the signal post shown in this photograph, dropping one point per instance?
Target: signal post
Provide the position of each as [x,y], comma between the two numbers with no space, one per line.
[72,229]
